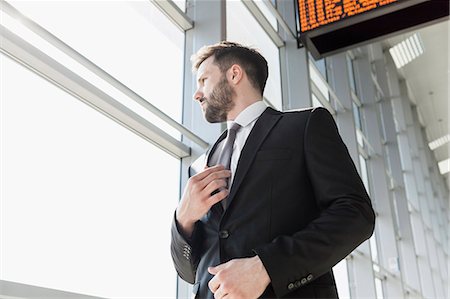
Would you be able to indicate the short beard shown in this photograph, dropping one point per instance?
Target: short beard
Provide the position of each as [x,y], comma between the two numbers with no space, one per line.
[220,102]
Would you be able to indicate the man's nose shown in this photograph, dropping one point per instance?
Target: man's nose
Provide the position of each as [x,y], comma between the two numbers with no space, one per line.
[198,95]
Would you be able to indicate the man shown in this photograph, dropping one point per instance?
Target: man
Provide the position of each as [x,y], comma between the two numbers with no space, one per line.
[283,210]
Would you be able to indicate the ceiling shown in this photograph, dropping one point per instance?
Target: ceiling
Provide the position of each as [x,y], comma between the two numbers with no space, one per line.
[427,78]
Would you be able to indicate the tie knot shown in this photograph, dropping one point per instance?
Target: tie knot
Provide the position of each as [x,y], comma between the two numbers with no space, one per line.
[234,127]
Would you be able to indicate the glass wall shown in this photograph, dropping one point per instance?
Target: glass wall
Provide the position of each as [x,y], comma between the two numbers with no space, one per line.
[86,204]
[134,42]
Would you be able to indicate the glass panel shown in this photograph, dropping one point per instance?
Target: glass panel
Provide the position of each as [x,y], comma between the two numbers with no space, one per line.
[131,40]
[320,64]
[356,116]
[373,247]
[315,101]
[181,4]
[83,208]
[364,174]
[395,215]
[359,138]
[382,123]
[341,276]
[376,268]
[379,288]
[319,80]
[266,12]
[243,28]
[351,74]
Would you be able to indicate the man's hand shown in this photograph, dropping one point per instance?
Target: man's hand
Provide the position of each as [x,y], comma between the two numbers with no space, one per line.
[197,198]
[244,278]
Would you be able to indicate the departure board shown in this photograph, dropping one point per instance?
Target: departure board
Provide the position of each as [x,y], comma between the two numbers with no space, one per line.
[315,13]
[326,27]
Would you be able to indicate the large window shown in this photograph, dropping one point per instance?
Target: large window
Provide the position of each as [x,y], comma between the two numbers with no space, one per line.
[131,40]
[86,205]
[243,28]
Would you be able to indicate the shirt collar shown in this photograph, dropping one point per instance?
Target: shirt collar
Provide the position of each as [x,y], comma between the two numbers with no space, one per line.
[249,114]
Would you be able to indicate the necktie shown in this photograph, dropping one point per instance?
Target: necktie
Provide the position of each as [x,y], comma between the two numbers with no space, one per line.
[227,151]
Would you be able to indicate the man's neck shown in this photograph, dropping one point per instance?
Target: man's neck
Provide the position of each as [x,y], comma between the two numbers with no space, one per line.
[241,106]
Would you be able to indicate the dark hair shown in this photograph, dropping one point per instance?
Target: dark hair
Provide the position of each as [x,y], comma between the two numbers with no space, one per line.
[228,53]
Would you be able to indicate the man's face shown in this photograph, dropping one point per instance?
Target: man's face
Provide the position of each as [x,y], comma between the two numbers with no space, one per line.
[214,93]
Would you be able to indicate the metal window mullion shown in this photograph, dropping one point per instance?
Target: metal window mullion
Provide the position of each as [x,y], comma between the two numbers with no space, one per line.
[377,85]
[174,13]
[279,18]
[43,65]
[316,91]
[59,44]
[265,24]
[330,90]
[356,99]
[367,143]
[363,152]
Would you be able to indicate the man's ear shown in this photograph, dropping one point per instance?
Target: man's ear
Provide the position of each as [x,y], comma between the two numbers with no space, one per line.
[235,74]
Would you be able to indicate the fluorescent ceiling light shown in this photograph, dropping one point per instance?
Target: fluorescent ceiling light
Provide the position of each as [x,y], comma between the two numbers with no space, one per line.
[407,50]
[444,166]
[438,142]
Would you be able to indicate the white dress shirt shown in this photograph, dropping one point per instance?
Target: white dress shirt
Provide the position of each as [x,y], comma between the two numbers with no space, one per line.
[247,119]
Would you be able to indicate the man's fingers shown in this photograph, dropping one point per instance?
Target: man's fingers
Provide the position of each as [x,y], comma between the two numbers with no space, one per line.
[218,197]
[212,270]
[214,284]
[203,174]
[218,184]
[220,293]
[215,175]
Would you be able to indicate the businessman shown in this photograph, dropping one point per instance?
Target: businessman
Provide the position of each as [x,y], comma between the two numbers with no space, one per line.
[276,202]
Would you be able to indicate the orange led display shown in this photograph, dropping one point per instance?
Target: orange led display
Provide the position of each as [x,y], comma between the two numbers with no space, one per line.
[316,13]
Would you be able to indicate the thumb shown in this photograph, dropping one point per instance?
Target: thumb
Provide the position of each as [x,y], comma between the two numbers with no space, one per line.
[216,269]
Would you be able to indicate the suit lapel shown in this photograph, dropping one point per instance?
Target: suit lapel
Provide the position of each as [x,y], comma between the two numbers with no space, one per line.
[262,127]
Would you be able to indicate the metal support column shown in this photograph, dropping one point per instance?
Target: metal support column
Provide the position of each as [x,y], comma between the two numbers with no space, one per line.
[209,27]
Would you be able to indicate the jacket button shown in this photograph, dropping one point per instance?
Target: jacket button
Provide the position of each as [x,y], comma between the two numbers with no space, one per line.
[291,286]
[223,234]
[309,277]
[303,281]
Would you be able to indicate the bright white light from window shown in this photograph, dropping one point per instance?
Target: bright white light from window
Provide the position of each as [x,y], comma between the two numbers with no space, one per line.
[136,71]
[340,272]
[95,215]
[444,166]
[439,142]
[318,79]
[379,288]
[407,50]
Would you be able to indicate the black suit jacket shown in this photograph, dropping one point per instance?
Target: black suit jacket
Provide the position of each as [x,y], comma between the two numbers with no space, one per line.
[297,202]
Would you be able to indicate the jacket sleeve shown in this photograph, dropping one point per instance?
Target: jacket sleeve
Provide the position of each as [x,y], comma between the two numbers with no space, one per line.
[346,216]
[185,251]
